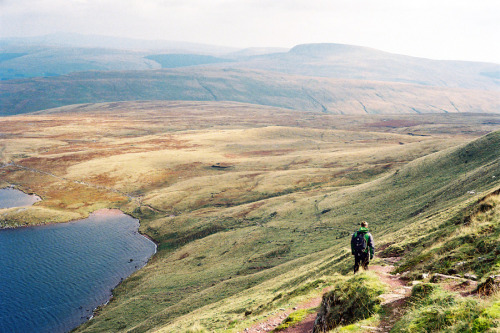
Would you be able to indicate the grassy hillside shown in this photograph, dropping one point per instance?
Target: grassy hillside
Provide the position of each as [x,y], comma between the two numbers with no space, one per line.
[252,207]
[230,266]
[355,62]
[67,53]
[64,53]
[264,88]
[184,60]
[54,61]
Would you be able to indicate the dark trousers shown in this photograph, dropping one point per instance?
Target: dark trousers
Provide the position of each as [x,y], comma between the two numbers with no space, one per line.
[362,259]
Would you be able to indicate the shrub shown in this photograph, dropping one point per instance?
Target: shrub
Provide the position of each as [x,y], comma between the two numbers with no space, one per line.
[351,300]
[422,290]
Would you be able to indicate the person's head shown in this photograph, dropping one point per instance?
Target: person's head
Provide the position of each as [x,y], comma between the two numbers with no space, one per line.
[364,224]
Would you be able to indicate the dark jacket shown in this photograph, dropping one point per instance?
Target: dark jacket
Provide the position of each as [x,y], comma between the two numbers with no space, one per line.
[369,241]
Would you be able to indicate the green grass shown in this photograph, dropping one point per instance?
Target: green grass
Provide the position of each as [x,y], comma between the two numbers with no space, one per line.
[443,311]
[170,287]
[459,245]
[238,244]
[351,300]
[294,318]
[247,86]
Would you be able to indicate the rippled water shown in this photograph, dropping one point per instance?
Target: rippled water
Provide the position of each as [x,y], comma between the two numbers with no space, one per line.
[10,197]
[52,277]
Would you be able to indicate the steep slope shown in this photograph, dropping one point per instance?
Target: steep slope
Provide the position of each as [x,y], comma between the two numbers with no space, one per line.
[256,87]
[220,268]
[355,62]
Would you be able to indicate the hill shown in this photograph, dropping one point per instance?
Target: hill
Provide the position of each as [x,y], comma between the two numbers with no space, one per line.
[252,207]
[53,61]
[249,86]
[184,60]
[59,54]
[75,40]
[361,63]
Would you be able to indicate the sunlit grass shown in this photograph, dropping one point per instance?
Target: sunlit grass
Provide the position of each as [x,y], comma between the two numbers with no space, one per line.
[247,215]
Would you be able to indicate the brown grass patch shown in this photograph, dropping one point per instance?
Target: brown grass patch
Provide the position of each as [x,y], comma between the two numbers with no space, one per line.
[274,152]
[395,123]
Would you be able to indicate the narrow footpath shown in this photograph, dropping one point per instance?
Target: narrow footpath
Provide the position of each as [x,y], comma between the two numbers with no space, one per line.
[393,302]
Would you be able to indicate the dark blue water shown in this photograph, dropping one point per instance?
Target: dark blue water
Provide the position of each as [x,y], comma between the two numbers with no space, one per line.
[10,197]
[52,277]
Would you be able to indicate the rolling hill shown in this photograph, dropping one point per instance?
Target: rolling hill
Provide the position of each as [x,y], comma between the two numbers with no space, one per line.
[75,40]
[356,62]
[54,61]
[252,207]
[59,54]
[251,175]
[336,96]
[331,78]
[253,256]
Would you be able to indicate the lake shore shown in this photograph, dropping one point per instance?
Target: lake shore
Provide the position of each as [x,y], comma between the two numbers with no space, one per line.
[95,218]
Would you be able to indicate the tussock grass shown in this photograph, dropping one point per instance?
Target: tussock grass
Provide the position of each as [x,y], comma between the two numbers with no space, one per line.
[442,311]
[351,300]
[468,244]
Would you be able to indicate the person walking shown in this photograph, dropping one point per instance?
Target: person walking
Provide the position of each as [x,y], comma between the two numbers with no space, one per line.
[362,247]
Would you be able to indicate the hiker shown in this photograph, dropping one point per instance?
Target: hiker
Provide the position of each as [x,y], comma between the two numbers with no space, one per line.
[362,247]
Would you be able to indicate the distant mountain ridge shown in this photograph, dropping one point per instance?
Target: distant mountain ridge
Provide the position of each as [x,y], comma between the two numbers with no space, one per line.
[60,54]
[121,43]
[363,63]
[335,96]
[332,78]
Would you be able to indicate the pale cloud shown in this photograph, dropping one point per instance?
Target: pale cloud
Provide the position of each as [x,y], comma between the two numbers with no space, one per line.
[459,29]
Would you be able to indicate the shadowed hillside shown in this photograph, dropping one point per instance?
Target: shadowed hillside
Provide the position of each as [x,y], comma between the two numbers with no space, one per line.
[256,87]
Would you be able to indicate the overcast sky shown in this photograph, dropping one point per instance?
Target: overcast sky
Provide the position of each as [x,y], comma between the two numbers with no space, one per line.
[438,29]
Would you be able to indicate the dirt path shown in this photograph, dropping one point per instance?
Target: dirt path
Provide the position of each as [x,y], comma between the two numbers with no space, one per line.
[393,302]
[305,326]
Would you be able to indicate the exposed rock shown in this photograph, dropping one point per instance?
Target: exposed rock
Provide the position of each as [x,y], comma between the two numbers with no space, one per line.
[441,277]
[470,276]
[405,275]
[221,166]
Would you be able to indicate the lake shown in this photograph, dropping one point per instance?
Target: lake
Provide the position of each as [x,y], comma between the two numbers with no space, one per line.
[10,197]
[52,277]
